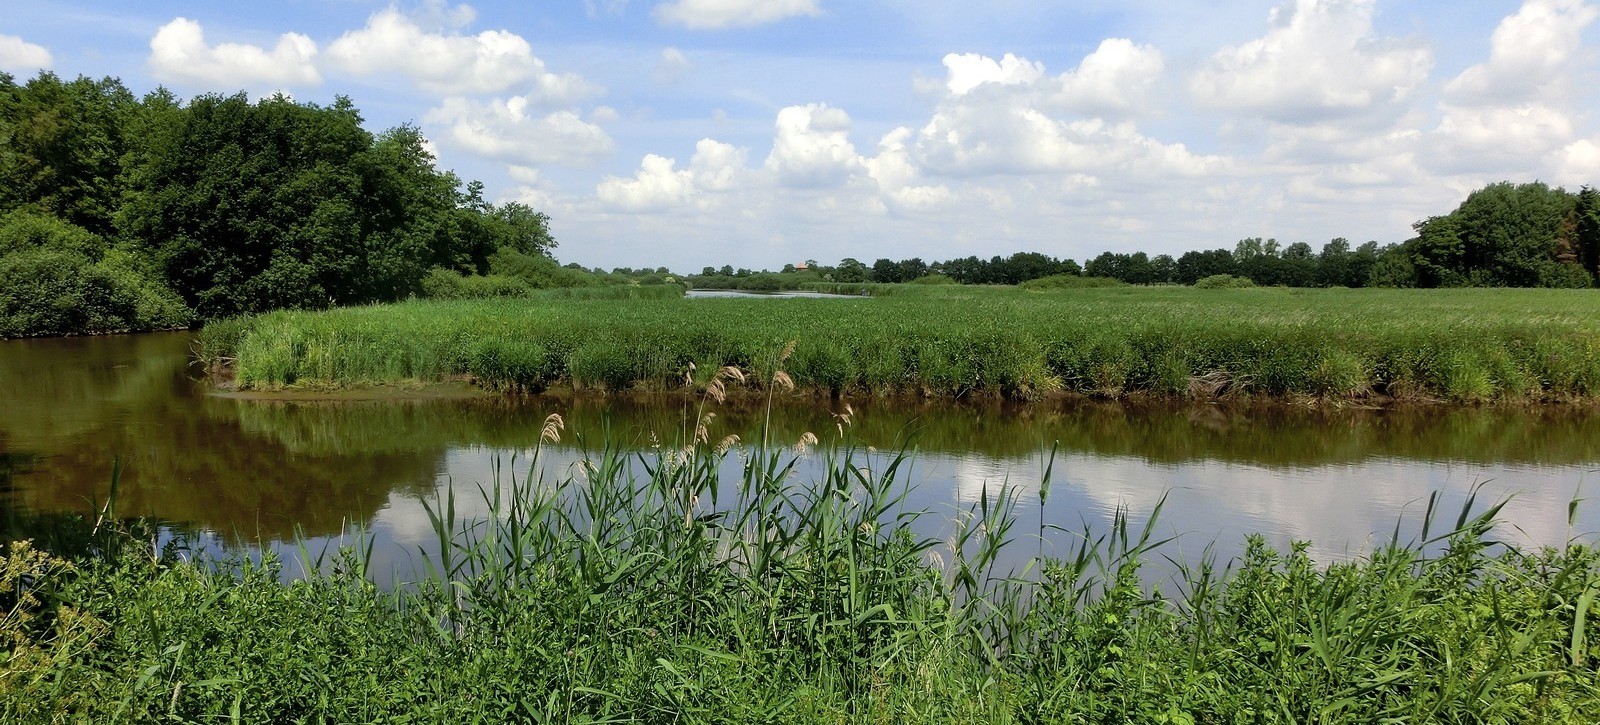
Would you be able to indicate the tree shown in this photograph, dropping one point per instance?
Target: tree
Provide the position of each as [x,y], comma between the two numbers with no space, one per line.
[1195,266]
[1587,229]
[61,146]
[885,270]
[851,270]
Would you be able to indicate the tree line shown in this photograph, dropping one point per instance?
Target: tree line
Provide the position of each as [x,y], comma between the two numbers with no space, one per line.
[1503,235]
[126,213]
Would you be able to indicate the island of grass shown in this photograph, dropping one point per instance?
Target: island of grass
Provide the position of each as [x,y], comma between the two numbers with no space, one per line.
[1467,346]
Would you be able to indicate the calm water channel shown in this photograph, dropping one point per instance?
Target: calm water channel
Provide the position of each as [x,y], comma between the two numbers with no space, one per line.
[232,472]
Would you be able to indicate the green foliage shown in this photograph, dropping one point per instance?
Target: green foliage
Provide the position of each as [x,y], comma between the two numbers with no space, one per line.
[239,206]
[58,279]
[1503,235]
[1071,281]
[963,341]
[445,284]
[1224,281]
[538,271]
[934,278]
[631,591]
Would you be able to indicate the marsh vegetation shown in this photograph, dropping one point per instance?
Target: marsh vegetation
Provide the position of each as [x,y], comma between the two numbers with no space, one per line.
[950,341]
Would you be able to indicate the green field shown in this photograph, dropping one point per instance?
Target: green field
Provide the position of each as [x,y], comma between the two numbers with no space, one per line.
[651,590]
[947,341]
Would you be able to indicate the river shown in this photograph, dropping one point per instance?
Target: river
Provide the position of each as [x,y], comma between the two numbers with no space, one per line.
[231,473]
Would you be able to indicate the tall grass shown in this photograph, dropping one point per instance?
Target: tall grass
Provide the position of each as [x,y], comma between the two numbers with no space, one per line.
[650,588]
[1456,345]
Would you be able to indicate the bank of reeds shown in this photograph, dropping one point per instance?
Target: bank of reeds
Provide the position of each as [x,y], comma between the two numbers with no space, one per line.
[651,589]
[1455,345]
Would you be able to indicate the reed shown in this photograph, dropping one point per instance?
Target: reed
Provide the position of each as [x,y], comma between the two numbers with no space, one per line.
[1462,346]
[649,587]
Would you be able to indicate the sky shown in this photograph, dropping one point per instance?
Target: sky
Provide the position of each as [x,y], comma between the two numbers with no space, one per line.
[757,133]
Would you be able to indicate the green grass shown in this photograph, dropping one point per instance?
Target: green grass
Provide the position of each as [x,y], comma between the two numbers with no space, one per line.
[943,341]
[650,589]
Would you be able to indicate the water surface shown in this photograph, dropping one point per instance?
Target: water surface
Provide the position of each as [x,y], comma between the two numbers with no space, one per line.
[251,472]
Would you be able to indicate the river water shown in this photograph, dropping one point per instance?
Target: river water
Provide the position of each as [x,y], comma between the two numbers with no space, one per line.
[230,472]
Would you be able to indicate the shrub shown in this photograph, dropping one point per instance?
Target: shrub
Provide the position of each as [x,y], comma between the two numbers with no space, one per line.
[1224,281]
[1071,281]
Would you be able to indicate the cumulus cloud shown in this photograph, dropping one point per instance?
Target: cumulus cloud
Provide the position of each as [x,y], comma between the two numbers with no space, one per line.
[489,62]
[998,118]
[658,186]
[965,72]
[812,147]
[510,129]
[20,56]
[1318,60]
[1529,54]
[897,175]
[718,166]
[714,14]
[1117,78]
[179,54]
[1513,113]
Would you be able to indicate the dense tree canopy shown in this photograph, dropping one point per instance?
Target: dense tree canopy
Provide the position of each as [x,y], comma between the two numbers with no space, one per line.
[221,206]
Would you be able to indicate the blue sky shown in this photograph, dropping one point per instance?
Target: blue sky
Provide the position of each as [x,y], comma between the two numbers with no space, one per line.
[759,132]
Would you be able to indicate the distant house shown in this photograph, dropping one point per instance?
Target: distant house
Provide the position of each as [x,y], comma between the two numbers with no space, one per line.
[801,267]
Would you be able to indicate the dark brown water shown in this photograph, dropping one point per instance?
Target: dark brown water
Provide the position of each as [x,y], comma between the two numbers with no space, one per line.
[251,471]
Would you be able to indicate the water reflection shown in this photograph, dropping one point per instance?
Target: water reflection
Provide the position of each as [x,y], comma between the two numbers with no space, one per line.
[247,470]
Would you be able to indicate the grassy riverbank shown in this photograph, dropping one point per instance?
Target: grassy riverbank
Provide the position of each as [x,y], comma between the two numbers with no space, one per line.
[654,591]
[1458,345]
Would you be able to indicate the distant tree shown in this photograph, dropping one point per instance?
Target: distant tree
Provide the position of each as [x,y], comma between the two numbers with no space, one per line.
[1164,269]
[910,269]
[851,270]
[1195,266]
[885,270]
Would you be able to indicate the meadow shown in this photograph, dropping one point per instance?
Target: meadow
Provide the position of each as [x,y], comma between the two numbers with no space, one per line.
[952,341]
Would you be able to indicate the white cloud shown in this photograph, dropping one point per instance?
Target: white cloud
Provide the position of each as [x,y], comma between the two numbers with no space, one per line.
[968,71]
[1529,55]
[1318,60]
[713,14]
[1502,139]
[1116,78]
[997,118]
[179,54]
[812,148]
[897,175]
[489,62]
[656,187]
[671,66]
[20,56]
[718,166]
[509,130]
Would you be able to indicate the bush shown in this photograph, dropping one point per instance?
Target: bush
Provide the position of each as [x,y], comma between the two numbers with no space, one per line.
[1224,281]
[444,284]
[58,279]
[537,271]
[934,278]
[1071,281]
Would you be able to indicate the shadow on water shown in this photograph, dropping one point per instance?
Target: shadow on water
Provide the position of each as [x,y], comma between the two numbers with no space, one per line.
[246,470]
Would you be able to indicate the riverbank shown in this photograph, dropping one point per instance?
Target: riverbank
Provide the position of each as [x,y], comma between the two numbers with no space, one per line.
[1458,346]
[681,595]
